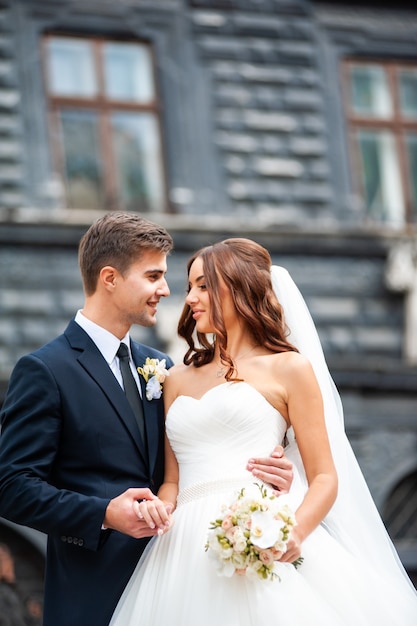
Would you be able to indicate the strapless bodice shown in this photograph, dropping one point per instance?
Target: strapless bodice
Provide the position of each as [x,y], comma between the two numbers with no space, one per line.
[214,436]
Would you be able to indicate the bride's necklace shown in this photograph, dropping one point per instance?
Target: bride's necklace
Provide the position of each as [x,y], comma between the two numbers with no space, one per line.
[220,372]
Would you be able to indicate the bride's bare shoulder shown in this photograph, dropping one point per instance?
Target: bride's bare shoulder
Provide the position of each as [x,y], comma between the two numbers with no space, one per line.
[177,374]
[178,369]
[291,363]
[289,358]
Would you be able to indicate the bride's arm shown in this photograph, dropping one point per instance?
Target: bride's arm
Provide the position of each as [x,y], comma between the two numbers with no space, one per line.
[169,489]
[306,414]
[157,513]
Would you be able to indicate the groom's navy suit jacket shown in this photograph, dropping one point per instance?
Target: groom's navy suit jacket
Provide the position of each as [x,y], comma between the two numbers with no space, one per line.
[69,444]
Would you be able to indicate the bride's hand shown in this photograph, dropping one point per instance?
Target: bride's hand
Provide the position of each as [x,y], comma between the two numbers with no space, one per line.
[156,514]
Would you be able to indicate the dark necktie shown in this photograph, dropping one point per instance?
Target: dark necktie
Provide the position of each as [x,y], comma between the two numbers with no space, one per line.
[131,388]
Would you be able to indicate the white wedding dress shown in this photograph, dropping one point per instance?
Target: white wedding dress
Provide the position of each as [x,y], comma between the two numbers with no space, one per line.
[176,583]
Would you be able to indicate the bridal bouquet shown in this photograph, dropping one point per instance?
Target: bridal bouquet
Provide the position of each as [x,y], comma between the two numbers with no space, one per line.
[251,534]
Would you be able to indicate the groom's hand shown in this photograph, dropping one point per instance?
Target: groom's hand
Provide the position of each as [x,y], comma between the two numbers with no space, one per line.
[275,470]
[156,513]
[121,516]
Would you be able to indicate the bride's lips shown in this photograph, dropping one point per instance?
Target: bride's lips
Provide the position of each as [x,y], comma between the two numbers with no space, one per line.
[197,313]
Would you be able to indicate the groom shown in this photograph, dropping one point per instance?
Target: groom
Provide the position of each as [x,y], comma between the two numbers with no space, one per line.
[74,455]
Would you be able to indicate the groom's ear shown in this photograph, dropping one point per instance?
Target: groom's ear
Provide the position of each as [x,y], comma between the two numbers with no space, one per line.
[108,278]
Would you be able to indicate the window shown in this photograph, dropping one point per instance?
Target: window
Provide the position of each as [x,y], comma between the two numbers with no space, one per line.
[104,123]
[381,110]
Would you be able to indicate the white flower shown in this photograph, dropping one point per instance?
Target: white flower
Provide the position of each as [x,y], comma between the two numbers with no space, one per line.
[254,571]
[251,534]
[240,543]
[265,529]
[154,373]
[240,560]
[153,389]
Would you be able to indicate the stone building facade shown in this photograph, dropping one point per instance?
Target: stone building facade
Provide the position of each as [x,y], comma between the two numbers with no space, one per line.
[257,142]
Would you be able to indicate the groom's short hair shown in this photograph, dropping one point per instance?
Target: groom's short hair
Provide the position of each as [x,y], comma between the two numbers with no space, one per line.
[118,239]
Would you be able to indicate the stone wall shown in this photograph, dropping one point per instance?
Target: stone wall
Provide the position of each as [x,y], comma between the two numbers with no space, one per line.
[255,146]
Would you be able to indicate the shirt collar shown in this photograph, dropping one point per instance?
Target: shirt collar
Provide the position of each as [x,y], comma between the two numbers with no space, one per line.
[106,342]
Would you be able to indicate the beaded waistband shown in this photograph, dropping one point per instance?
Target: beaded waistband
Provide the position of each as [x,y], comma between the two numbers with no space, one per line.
[201,490]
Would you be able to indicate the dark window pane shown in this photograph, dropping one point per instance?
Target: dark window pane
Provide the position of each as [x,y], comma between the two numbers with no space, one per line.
[138,161]
[82,163]
[408,93]
[71,68]
[411,143]
[369,91]
[381,176]
[128,72]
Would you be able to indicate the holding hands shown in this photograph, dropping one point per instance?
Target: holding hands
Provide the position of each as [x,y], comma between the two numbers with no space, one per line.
[155,513]
[128,514]
[140,513]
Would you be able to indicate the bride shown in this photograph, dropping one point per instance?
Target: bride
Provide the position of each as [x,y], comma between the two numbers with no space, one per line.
[262,380]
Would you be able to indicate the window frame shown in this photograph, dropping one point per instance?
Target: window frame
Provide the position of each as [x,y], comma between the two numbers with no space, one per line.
[104,107]
[396,124]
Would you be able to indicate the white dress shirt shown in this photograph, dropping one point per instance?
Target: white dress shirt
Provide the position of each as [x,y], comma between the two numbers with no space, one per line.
[108,344]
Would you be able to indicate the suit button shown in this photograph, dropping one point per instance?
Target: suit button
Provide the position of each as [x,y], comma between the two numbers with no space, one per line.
[80,542]
[63,538]
[75,541]
[69,539]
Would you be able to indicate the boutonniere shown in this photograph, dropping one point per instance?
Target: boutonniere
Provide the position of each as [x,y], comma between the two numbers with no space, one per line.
[154,373]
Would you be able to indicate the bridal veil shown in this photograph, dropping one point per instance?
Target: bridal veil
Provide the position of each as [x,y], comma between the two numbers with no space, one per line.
[354,520]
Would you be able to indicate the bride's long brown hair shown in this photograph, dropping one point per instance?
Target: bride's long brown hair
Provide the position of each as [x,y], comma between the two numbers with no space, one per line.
[245,267]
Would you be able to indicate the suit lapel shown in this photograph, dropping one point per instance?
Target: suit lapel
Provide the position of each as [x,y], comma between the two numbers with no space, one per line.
[96,366]
[150,408]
